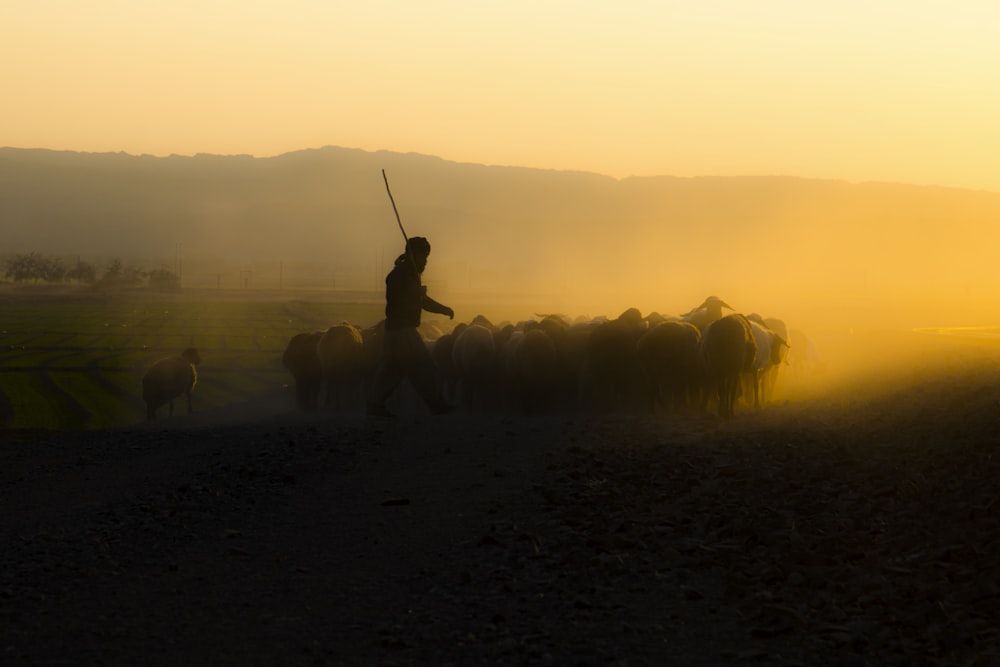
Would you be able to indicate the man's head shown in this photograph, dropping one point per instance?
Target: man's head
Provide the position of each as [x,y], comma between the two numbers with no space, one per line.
[418,248]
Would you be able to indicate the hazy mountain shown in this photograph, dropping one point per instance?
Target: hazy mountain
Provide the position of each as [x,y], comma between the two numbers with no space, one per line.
[660,243]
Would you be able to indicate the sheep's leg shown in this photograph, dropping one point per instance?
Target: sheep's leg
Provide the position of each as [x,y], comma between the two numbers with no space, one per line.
[188,392]
[314,388]
[727,395]
[171,404]
[330,393]
[302,393]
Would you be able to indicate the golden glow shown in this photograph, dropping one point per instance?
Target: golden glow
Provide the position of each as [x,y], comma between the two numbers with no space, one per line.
[891,91]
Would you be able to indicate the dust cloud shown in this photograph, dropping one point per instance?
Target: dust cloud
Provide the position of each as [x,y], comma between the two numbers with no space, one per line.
[855,267]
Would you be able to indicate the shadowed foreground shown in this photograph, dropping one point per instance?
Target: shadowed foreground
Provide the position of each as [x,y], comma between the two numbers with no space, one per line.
[855,530]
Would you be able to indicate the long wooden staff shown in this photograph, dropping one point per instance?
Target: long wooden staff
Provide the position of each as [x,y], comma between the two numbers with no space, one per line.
[394,210]
[409,252]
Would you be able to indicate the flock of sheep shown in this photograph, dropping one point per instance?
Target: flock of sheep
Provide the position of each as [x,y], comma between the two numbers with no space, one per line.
[700,361]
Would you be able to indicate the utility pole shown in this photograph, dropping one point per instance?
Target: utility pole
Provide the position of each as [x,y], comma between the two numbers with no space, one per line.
[177,261]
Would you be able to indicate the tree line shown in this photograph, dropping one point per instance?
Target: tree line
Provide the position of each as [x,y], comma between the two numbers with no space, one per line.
[34,267]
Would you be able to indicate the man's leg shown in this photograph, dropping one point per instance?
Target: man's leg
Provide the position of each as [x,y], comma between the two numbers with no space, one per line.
[424,376]
[390,372]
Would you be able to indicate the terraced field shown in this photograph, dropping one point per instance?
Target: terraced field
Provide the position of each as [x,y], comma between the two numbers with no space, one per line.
[77,364]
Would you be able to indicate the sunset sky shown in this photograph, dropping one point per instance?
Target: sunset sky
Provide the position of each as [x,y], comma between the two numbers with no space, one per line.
[886,90]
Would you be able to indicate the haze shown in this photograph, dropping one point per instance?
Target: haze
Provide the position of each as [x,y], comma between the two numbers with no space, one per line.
[847,255]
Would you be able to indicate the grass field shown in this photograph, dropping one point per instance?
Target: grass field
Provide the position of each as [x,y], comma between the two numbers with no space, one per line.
[72,363]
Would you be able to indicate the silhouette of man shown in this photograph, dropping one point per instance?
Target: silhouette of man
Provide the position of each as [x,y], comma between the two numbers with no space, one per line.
[405,355]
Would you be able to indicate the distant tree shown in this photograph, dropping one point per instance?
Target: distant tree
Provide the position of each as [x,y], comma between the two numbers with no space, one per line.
[53,270]
[23,267]
[117,274]
[84,273]
[162,279]
[33,266]
[113,271]
[132,276]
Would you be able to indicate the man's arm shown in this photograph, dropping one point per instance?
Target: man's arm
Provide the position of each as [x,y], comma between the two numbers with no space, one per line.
[432,306]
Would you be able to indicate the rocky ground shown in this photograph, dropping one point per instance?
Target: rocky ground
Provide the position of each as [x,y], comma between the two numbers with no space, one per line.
[849,528]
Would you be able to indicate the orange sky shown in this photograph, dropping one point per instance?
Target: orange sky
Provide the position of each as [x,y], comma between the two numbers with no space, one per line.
[888,90]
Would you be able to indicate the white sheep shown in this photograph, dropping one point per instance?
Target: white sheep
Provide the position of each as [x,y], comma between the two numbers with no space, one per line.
[771,351]
[167,379]
[779,327]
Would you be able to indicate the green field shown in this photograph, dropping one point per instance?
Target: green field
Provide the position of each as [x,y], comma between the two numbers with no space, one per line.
[78,363]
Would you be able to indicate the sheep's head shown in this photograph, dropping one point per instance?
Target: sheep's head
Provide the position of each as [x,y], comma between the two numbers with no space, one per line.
[631,317]
[712,304]
[715,302]
[191,356]
[777,353]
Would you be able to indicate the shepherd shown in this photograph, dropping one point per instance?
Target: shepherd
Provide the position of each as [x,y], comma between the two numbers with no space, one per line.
[404,355]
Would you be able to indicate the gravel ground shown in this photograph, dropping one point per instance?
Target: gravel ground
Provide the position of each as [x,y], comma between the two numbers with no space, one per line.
[847,530]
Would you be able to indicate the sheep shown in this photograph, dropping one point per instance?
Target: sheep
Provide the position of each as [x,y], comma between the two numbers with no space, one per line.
[668,355]
[167,379]
[610,378]
[728,352]
[655,318]
[531,371]
[340,351]
[709,311]
[771,351]
[441,354]
[474,358]
[803,356]
[373,338]
[301,358]
[779,327]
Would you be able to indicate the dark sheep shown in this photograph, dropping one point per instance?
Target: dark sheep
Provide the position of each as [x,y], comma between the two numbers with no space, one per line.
[441,354]
[167,379]
[728,352]
[709,311]
[474,357]
[340,350]
[610,378]
[301,358]
[563,385]
[668,355]
[373,338]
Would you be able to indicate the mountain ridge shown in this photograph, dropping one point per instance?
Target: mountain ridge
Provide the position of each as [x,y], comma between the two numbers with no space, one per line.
[500,227]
